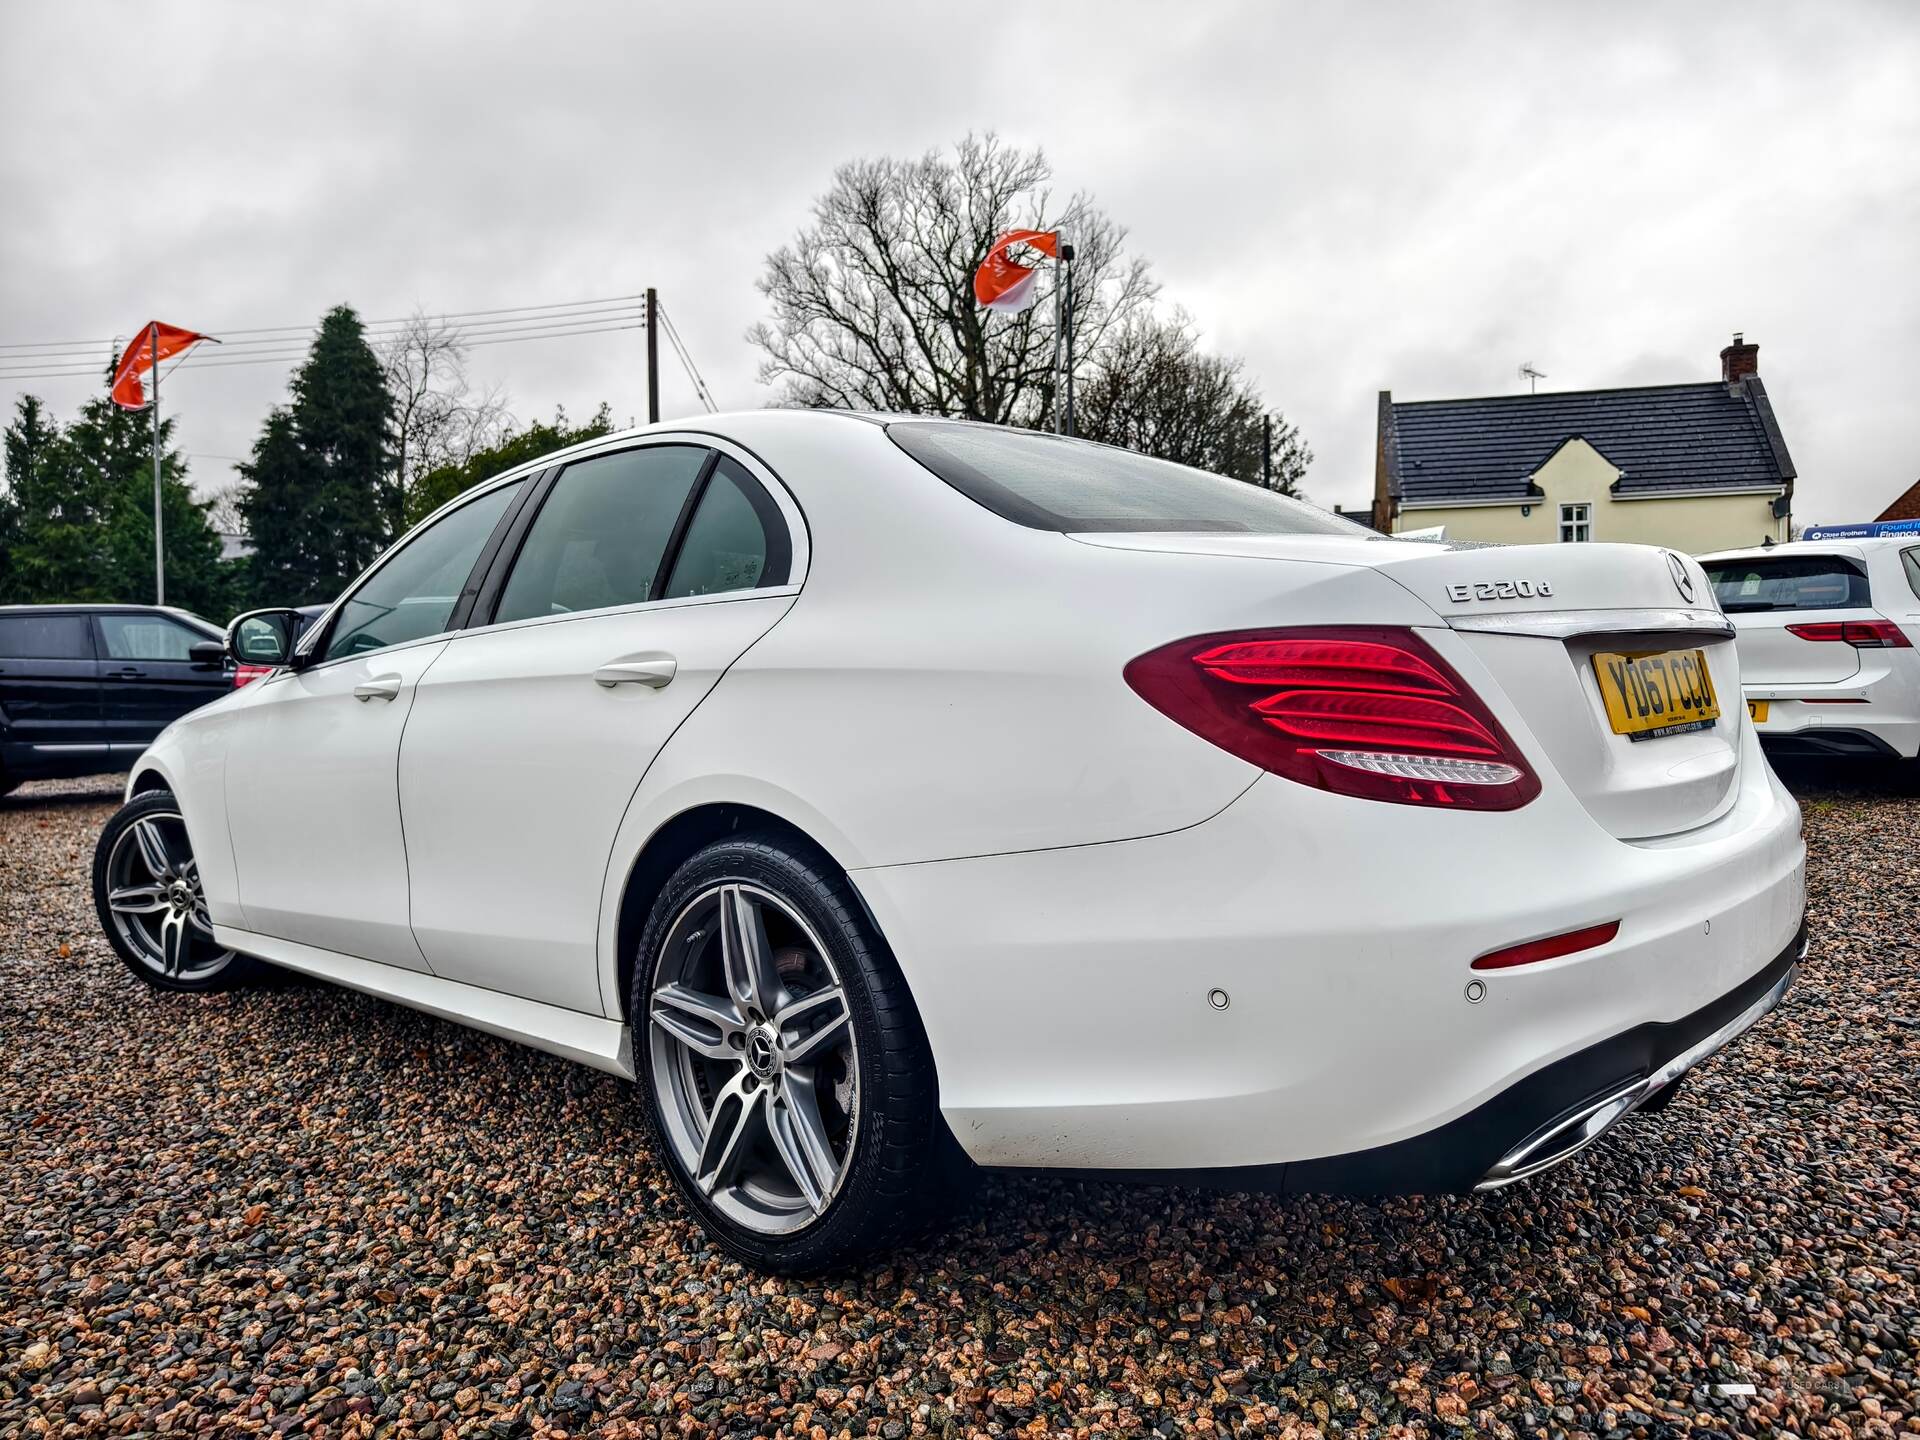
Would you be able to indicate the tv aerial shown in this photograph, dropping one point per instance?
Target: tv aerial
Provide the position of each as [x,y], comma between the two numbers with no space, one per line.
[1533,375]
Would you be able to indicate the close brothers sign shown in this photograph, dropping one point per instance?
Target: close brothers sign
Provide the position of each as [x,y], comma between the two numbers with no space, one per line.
[1866,530]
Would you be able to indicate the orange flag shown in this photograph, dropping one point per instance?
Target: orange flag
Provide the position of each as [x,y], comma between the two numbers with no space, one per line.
[1004,284]
[155,343]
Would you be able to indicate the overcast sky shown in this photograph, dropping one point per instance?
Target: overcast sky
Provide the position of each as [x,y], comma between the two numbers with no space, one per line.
[1414,197]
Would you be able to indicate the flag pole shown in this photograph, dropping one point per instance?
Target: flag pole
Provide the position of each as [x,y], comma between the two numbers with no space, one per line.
[159,542]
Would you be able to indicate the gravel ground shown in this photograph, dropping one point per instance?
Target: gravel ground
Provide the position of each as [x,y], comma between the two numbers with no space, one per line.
[301,1210]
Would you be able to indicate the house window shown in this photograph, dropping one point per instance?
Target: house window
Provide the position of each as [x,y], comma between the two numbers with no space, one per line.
[1576,523]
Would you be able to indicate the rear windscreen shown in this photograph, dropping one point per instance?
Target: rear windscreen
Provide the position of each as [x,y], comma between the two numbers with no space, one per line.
[1790,582]
[1048,482]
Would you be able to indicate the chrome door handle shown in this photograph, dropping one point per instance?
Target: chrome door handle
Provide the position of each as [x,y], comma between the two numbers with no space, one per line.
[384,688]
[654,673]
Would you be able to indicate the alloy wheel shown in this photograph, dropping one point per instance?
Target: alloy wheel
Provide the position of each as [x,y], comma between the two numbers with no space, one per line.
[753,1058]
[156,901]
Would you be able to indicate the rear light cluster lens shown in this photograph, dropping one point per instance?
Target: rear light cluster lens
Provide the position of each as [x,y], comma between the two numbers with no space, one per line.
[247,674]
[1359,710]
[1861,634]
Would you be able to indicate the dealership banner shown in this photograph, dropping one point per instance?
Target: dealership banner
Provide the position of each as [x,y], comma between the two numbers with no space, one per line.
[1865,530]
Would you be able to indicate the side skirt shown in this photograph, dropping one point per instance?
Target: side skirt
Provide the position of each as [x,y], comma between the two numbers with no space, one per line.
[589,1039]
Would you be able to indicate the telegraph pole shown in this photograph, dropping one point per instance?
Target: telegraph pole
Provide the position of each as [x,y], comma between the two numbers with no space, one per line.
[653,357]
[1266,451]
[1066,260]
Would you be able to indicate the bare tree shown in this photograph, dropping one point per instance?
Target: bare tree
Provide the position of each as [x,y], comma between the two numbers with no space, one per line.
[223,510]
[439,419]
[873,302]
[1153,390]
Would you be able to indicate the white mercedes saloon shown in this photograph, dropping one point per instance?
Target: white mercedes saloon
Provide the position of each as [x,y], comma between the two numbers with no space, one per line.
[890,795]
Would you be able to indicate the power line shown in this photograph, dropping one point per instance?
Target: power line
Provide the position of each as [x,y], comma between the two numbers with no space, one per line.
[686,361]
[308,329]
[376,337]
[547,329]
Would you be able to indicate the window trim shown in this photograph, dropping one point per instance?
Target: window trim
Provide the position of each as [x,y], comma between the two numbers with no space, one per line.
[310,653]
[766,510]
[1910,567]
[786,511]
[676,537]
[1583,522]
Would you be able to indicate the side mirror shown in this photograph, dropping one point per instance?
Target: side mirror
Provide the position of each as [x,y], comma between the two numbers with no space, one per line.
[208,654]
[263,637]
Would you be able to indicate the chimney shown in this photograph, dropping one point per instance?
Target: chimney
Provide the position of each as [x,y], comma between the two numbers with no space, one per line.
[1739,360]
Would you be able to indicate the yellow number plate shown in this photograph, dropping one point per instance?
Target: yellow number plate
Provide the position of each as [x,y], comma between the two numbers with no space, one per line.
[1650,693]
[1758,710]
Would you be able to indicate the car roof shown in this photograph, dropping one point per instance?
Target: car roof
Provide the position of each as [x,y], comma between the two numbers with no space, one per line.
[92,607]
[1858,549]
[172,612]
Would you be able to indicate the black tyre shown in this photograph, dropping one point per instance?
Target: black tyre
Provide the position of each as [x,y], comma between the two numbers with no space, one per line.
[784,1067]
[146,890]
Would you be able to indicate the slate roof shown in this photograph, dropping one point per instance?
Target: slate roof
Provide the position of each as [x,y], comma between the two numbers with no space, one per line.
[1663,437]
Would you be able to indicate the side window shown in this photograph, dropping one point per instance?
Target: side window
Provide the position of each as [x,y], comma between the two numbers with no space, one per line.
[1911,559]
[737,540]
[45,637]
[146,637]
[600,535]
[413,594]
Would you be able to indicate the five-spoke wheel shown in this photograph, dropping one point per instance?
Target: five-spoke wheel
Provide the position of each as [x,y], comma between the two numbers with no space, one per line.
[147,888]
[751,1039]
[786,1070]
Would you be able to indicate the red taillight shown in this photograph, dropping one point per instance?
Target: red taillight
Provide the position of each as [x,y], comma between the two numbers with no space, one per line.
[247,674]
[1861,634]
[1551,948]
[1365,711]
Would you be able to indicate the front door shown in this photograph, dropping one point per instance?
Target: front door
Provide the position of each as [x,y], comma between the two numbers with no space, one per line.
[149,679]
[646,573]
[312,800]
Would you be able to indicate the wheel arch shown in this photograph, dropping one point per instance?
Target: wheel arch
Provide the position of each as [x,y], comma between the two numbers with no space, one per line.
[145,780]
[671,846]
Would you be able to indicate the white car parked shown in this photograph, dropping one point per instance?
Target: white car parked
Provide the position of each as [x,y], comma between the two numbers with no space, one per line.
[865,785]
[1827,634]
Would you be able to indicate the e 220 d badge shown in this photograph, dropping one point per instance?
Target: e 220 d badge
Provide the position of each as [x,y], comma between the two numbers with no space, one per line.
[1499,590]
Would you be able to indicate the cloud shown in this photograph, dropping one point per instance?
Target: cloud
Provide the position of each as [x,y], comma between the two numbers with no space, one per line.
[1354,198]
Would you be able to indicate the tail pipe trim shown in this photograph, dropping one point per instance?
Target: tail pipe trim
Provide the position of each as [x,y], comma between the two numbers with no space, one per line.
[1587,1122]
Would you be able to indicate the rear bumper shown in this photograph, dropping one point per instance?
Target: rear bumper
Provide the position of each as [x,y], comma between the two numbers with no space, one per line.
[1288,984]
[1871,715]
[1557,1112]
[1829,742]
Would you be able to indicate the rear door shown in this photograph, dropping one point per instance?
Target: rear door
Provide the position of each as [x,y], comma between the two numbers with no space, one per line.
[642,576]
[1766,595]
[49,694]
[149,680]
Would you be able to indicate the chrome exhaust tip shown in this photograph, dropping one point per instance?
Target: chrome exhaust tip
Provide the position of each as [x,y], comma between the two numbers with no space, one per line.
[1575,1131]
[1565,1137]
